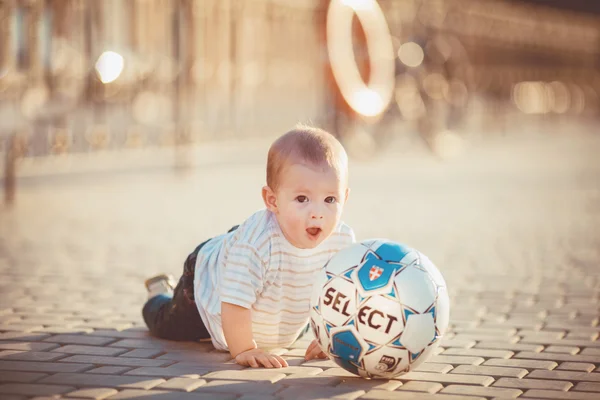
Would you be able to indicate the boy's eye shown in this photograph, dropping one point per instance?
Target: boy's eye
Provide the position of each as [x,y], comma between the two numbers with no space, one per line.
[301,199]
[330,199]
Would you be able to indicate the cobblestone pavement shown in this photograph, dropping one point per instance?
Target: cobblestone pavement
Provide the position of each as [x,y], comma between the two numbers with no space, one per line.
[513,226]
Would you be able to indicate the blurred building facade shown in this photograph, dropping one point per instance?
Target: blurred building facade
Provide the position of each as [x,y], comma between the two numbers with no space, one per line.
[81,76]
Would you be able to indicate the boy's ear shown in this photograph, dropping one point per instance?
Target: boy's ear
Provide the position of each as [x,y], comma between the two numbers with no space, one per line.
[270,199]
[346,195]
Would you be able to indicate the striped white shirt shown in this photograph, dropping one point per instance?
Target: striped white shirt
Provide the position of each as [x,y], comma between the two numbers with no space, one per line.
[255,267]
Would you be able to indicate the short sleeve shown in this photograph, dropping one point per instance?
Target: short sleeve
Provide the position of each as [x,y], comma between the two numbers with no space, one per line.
[242,278]
[347,234]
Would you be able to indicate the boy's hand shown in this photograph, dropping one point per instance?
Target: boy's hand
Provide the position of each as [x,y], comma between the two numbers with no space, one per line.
[256,358]
[314,351]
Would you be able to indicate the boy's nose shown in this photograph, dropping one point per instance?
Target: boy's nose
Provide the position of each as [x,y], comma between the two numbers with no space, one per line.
[316,213]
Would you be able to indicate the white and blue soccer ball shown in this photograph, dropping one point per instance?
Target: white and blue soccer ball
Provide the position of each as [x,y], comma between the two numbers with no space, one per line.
[379,308]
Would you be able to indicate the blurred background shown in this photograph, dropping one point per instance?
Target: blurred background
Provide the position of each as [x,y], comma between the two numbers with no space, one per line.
[87,77]
[132,130]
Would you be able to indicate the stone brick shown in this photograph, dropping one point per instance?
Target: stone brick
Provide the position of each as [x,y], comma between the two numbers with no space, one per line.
[303,380]
[108,370]
[271,375]
[417,386]
[588,387]
[239,387]
[447,378]
[27,346]
[142,353]
[123,361]
[167,395]
[467,390]
[558,357]
[32,366]
[340,372]
[385,395]
[34,389]
[95,393]
[456,360]
[22,327]
[20,377]
[364,384]
[29,355]
[89,350]
[208,365]
[474,352]
[562,349]
[320,364]
[80,339]
[571,376]
[490,371]
[182,384]
[509,346]
[456,342]
[574,366]
[24,336]
[310,393]
[197,356]
[591,351]
[517,363]
[551,394]
[98,380]
[532,384]
[169,372]
[433,367]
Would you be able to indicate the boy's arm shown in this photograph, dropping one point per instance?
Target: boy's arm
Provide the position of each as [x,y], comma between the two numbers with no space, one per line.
[237,328]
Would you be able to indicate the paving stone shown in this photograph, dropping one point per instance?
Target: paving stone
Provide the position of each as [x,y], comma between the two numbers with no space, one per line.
[527,383]
[124,361]
[98,380]
[239,387]
[573,366]
[80,339]
[384,395]
[89,350]
[43,367]
[447,378]
[34,389]
[558,357]
[20,377]
[310,393]
[142,353]
[467,390]
[456,342]
[109,370]
[166,345]
[509,346]
[587,387]
[474,352]
[23,336]
[22,327]
[490,371]
[208,365]
[433,367]
[418,386]
[365,384]
[591,351]
[29,355]
[182,384]
[518,363]
[342,373]
[320,364]
[561,342]
[131,333]
[551,394]
[58,330]
[271,375]
[562,349]
[565,375]
[168,372]
[95,393]
[456,360]
[311,380]
[552,335]
[27,346]
[173,395]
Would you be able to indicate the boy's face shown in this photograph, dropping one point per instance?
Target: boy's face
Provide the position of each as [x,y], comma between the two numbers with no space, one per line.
[308,203]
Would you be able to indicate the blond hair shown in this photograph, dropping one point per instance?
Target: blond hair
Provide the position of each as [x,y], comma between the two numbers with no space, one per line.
[305,144]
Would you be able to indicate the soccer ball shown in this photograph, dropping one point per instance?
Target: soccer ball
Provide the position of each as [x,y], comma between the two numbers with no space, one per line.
[379,308]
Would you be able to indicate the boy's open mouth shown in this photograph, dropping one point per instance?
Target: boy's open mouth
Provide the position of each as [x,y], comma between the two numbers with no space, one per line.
[313,231]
